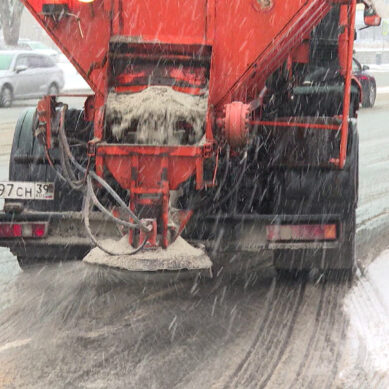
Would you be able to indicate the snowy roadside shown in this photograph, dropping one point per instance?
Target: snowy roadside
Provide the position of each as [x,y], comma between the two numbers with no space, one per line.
[7,131]
[73,81]
[384,68]
[383,90]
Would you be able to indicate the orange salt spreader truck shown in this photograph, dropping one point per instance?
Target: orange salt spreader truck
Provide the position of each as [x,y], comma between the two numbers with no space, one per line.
[215,126]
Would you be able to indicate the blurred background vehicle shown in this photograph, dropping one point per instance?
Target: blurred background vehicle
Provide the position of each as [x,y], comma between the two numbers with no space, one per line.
[27,44]
[368,83]
[38,47]
[26,74]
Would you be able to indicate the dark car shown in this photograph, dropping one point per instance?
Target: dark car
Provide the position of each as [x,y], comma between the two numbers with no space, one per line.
[25,74]
[369,87]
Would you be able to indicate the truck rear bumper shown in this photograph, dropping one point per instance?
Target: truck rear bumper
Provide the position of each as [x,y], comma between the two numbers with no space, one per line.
[249,233]
[65,235]
[238,233]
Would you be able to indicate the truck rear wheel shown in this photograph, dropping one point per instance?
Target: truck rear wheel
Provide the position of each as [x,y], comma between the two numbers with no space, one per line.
[28,163]
[369,97]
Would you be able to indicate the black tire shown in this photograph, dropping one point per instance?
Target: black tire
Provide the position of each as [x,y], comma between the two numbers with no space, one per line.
[335,262]
[28,163]
[53,89]
[369,97]
[6,96]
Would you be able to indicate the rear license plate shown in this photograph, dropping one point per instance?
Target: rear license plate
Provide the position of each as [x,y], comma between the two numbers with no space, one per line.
[17,190]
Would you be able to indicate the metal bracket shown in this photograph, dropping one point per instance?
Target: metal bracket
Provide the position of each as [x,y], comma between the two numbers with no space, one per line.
[92,147]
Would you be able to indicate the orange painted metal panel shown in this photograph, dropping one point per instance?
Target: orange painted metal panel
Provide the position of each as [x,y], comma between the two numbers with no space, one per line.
[239,32]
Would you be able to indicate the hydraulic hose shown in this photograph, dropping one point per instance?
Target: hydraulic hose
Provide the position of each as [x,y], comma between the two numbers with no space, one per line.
[85,212]
[66,157]
[224,178]
[212,202]
[68,173]
[237,184]
[104,210]
[66,169]
[66,149]
[51,164]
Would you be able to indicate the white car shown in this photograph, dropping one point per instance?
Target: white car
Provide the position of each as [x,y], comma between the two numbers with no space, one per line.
[26,74]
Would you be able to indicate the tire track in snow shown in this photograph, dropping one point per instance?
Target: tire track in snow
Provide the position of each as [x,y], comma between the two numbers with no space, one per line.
[321,333]
[268,340]
[329,340]
[312,339]
[283,345]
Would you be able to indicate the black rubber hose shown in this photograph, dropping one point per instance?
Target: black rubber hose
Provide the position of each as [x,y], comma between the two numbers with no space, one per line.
[86,210]
[104,210]
[236,186]
[211,202]
[65,165]
[101,181]
[224,178]
[68,173]
[51,164]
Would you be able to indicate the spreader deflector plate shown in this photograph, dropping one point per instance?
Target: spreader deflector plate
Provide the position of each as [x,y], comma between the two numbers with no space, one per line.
[180,255]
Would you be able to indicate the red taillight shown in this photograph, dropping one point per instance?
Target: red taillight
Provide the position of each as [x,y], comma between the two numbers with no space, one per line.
[8,230]
[23,230]
[39,230]
[301,232]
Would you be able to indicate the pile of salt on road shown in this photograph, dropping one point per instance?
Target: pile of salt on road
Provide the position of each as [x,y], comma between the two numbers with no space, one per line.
[180,255]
